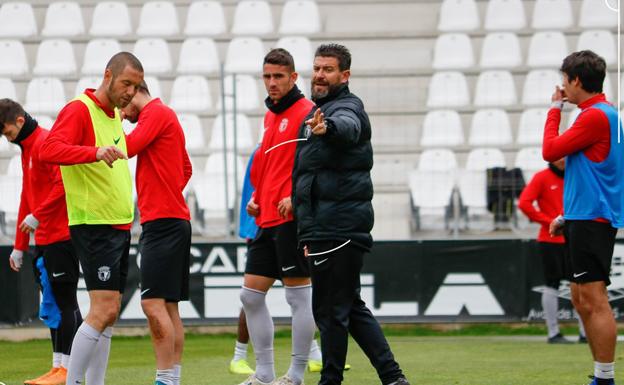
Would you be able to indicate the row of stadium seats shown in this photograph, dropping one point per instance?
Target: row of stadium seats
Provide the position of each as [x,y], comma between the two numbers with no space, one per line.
[197,56]
[505,15]
[502,49]
[159,18]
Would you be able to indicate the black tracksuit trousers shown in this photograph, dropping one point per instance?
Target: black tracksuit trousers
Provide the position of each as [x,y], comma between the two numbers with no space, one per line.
[339,311]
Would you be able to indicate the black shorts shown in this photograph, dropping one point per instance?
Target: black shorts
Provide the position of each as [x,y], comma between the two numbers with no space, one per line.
[165,248]
[554,262]
[274,253]
[590,246]
[103,254]
[60,260]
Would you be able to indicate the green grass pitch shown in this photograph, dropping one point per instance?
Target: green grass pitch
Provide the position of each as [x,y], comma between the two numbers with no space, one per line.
[468,357]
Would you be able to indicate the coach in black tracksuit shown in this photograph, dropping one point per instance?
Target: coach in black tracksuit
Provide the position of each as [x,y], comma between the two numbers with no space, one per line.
[332,192]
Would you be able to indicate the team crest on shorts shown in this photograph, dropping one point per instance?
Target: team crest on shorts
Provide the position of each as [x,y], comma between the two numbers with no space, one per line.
[283,125]
[104,273]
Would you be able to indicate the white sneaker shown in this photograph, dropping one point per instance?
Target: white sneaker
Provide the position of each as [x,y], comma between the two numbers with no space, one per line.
[285,380]
[252,380]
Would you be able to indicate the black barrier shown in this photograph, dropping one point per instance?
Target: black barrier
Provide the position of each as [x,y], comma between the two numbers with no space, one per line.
[406,281]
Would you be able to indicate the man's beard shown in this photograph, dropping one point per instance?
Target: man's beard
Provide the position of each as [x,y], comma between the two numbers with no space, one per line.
[322,94]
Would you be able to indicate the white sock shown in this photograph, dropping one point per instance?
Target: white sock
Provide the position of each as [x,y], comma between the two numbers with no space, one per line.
[315,352]
[261,329]
[56,359]
[604,370]
[240,351]
[65,360]
[300,300]
[165,376]
[96,372]
[177,373]
[85,342]
[550,304]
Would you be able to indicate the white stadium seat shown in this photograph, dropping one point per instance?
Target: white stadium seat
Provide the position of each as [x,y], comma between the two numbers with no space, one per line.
[55,57]
[154,55]
[153,84]
[442,128]
[480,159]
[301,50]
[7,89]
[458,15]
[87,82]
[601,42]
[243,133]
[431,191]
[437,160]
[205,18]
[18,65]
[244,55]
[448,89]
[495,88]
[452,51]
[531,126]
[190,93]
[193,131]
[300,17]
[198,56]
[539,86]
[490,127]
[45,95]
[63,19]
[547,49]
[501,50]
[552,14]
[209,185]
[504,15]
[44,121]
[252,17]
[158,18]
[247,98]
[111,18]
[97,53]
[596,14]
[530,160]
[17,19]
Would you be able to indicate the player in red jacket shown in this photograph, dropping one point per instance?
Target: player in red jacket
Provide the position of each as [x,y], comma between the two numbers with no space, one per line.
[273,254]
[43,211]
[546,189]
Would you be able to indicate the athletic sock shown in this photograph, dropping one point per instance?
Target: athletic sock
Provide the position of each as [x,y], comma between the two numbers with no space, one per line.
[166,376]
[240,351]
[300,300]
[65,361]
[604,371]
[56,359]
[315,352]
[260,325]
[550,304]
[97,369]
[177,373]
[84,345]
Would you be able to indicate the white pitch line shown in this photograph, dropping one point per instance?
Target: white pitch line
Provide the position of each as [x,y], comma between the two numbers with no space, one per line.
[283,143]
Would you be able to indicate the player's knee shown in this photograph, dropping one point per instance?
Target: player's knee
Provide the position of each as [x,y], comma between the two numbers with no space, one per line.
[251,299]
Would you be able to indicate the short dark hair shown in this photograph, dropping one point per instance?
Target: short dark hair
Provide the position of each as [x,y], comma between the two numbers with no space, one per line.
[143,88]
[588,67]
[120,60]
[10,111]
[338,51]
[280,57]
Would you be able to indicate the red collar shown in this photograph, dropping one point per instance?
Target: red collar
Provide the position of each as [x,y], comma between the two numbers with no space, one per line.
[593,100]
[90,93]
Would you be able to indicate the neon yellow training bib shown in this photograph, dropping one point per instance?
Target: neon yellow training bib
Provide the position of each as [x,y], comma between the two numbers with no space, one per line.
[95,193]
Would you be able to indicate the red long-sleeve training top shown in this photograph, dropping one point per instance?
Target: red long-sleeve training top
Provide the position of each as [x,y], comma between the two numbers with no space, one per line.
[42,195]
[271,173]
[163,165]
[589,133]
[545,188]
[72,139]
